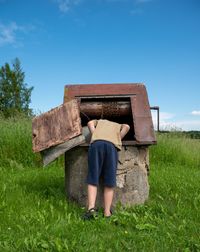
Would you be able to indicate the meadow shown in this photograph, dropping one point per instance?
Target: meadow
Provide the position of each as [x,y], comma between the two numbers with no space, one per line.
[35,215]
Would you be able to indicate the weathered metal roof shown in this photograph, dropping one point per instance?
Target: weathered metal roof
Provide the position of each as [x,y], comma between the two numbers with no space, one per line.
[141,114]
[56,126]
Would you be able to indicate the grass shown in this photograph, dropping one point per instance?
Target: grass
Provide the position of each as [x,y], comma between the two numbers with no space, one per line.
[35,215]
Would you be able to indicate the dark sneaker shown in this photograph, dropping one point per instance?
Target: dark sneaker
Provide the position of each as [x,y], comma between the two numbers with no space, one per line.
[91,214]
[111,213]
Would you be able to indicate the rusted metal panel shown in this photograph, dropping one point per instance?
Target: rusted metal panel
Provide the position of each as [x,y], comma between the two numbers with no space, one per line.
[142,120]
[56,126]
[72,91]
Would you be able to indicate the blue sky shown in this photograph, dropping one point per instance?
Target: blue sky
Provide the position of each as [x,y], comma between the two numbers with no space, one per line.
[155,42]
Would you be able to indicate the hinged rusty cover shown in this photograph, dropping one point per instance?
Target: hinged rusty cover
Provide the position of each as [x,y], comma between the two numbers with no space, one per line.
[142,119]
[56,126]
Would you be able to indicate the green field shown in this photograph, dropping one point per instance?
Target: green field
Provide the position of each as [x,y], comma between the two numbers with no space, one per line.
[35,216]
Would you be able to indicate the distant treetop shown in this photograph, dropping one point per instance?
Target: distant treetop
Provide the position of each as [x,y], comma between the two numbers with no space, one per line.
[15,96]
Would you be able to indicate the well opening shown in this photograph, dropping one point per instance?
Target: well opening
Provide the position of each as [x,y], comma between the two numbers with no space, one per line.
[116,109]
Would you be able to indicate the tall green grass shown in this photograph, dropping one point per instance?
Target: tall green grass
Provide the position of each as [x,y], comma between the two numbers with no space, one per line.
[177,148]
[35,216]
[15,143]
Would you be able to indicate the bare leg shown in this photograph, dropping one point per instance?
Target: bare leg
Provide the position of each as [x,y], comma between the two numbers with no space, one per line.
[108,198]
[92,194]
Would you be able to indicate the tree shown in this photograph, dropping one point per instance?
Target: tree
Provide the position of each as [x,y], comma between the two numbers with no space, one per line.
[15,96]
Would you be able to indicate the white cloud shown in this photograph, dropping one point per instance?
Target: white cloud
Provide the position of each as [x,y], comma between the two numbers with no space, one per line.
[168,122]
[163,118]
[196,112]
[65,5]
[188,125]
[9,33]
[166,116]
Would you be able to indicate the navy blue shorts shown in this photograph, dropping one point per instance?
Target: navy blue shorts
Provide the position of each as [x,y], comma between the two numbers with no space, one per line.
[102,161]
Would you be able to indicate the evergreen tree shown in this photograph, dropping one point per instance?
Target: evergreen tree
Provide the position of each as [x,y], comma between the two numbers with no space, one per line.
[15,96]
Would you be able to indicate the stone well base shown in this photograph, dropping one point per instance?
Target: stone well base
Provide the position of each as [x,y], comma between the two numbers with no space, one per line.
[132,180]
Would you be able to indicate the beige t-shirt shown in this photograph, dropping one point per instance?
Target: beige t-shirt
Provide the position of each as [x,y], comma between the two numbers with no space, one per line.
[109,131]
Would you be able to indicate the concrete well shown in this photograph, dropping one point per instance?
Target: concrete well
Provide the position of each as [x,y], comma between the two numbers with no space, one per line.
[132,176]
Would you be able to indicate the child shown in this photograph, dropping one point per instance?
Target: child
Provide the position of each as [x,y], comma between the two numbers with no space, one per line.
[103,159]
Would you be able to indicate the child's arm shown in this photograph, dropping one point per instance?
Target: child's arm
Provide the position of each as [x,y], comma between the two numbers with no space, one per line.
[91,125]
[124,130]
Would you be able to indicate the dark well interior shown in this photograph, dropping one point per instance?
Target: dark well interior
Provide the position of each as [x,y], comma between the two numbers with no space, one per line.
[116,109]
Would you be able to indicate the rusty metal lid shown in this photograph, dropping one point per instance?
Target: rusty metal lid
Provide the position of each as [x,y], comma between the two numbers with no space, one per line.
[56,126]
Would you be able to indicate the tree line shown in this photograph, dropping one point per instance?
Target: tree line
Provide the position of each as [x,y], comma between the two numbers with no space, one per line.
[15,95]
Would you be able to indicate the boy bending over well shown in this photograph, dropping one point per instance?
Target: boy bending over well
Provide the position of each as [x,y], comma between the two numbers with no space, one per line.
[102,160]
